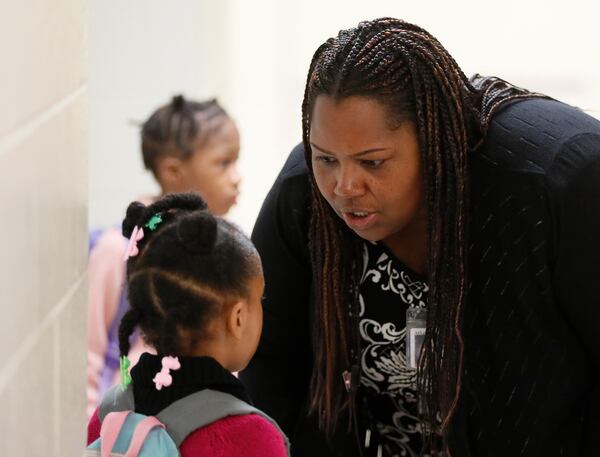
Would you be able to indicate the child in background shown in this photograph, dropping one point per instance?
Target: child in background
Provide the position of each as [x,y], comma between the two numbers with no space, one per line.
[195,286]
[194,146]
[188,146]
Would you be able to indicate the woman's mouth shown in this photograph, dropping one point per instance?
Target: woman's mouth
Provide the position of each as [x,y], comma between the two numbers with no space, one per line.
[358,220]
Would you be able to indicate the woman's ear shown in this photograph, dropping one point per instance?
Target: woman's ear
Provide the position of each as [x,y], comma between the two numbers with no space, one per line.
[237,319]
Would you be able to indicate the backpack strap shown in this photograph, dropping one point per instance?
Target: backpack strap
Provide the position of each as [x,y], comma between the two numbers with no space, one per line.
[111,427]
[113,424]
[203,408]
[187,414]
[139,435]
[116,399]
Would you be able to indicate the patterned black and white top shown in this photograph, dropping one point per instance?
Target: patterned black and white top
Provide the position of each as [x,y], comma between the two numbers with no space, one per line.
[387,289]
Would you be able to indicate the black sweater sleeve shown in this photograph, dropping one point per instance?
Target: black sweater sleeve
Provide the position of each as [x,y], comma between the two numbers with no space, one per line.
[578,256]
[277,377]
[578,263]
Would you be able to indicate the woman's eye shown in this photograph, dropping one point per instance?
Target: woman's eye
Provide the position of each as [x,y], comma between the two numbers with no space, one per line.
[371,163]
[325,159]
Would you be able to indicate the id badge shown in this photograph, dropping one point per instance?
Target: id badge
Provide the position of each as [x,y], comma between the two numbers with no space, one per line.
[416,324]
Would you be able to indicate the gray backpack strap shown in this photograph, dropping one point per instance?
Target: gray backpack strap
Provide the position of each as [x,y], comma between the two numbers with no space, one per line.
[203,408]
[116,399]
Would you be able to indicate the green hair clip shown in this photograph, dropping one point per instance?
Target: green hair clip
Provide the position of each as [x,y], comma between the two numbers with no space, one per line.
[124,365]
[154,222]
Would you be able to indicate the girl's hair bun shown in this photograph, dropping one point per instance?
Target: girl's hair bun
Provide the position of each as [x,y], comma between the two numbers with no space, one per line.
[178,102]
[198,232]
[134,214]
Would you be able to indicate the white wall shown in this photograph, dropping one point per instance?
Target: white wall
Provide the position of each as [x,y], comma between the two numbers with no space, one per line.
[142,52]
[43,196]
[254,55]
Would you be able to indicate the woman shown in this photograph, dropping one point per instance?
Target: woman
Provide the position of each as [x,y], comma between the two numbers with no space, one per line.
[422,202]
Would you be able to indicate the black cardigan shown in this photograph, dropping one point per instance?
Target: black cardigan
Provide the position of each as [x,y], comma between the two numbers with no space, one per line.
[530,386]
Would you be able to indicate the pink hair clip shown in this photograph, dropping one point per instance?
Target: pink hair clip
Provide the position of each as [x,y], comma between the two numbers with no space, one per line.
[163,378]
[132,249]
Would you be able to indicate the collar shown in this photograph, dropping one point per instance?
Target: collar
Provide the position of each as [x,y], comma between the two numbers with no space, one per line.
[195,374]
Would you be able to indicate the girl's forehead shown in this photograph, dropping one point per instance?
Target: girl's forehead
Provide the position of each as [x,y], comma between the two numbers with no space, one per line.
[208,126]
[223,138]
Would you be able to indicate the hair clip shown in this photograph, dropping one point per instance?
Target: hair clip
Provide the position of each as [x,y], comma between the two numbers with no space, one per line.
[124,364]
[154,222]
[163,378]
[132,249]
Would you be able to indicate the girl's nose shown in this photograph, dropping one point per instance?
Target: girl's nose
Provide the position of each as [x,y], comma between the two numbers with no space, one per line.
[235,176]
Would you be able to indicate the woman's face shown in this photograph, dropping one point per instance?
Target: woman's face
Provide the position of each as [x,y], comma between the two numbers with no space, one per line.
[368,171]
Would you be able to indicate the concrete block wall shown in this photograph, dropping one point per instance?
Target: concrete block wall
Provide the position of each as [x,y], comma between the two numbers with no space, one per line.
[43,227]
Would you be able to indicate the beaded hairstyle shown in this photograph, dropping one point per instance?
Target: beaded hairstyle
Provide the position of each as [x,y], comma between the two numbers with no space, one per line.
[190,264]
[408,71]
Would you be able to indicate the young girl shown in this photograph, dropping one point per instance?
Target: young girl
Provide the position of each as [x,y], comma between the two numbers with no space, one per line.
[188,146]
[195,286]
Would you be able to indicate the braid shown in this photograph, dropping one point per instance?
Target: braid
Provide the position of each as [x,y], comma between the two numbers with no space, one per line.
[126,327]
[178,127]
[176,319]
[409,71]
[174,202]
[494,93]
[168,336]
[138,214]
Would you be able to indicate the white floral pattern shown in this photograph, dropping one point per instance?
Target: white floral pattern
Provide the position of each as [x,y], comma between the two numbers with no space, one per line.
[383,272]
[387,290]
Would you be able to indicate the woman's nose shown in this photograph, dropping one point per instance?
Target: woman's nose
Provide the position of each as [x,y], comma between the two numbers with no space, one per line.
[348,183]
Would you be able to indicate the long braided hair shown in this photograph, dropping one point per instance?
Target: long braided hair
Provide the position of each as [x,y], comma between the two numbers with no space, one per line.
[409,72]
[190,265]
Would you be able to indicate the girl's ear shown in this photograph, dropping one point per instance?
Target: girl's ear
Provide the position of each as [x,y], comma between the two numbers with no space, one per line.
[170,171]
[237,318]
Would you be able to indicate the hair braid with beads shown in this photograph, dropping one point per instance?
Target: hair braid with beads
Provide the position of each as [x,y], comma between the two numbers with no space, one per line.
[189,267]
[410,73]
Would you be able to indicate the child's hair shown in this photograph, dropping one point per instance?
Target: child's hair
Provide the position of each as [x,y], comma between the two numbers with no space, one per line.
[190,263]
[176,128]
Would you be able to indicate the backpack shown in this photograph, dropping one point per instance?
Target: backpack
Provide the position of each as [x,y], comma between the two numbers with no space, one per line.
[125,433]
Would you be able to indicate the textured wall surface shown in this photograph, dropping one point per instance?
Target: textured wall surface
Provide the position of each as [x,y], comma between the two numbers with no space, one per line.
[43,227]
